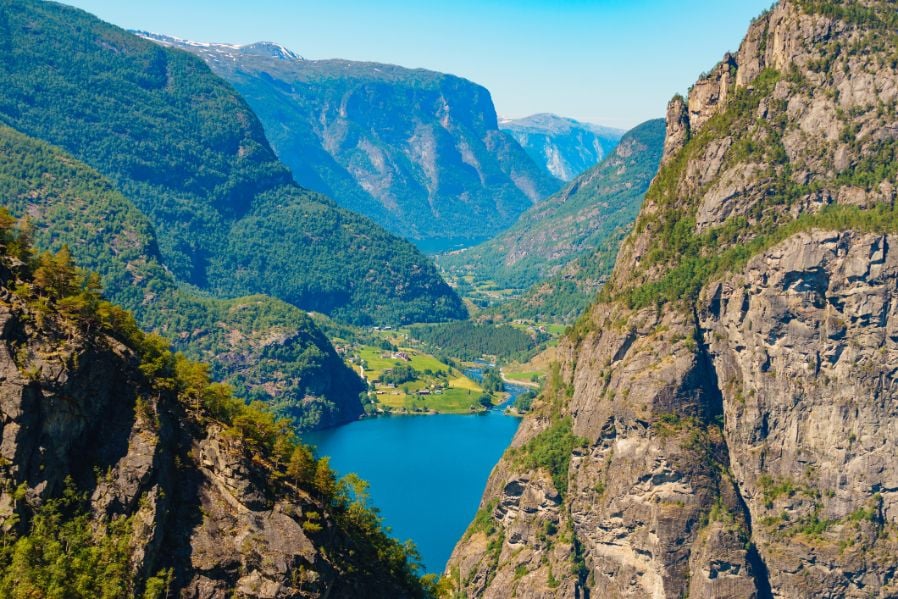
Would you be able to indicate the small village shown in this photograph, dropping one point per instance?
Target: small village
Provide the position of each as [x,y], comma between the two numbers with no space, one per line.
[408,381]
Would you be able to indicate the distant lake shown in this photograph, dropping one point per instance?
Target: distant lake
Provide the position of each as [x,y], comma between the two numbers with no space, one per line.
[427,473]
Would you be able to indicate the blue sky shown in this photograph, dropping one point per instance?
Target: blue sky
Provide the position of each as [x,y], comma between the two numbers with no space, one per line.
[613,62]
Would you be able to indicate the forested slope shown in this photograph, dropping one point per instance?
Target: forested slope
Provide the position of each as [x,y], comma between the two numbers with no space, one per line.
[188,151]
[268,349]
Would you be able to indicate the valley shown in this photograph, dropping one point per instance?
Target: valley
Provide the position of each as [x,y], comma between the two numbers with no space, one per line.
[426,369]
[552,261]
[344,331]
[421,153]
[281,327]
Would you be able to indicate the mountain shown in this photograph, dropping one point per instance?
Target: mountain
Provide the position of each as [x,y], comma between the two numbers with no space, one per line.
[551,239]
[267,349]
[563,147]
[188,151]
[721,421]
[126,472]
[417,151]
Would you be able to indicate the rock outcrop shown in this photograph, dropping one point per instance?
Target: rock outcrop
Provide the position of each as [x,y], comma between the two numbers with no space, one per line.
[723,419]
[182,488]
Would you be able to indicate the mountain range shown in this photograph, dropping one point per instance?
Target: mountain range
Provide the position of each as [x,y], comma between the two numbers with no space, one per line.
[158,176]
[720,421]
[564,147]
[188,151]
[419,152]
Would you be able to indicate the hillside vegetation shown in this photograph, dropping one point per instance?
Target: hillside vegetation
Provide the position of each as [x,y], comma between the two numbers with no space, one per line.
[471,341]
[187,150]
[109,490]
[268,349]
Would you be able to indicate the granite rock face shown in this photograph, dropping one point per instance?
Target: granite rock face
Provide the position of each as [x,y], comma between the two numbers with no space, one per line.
[803,341]
[730,398]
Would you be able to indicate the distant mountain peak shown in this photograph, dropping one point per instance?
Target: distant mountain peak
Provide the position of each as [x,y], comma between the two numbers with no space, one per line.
[563,147]
[270,49]
[548,121]
[232,51]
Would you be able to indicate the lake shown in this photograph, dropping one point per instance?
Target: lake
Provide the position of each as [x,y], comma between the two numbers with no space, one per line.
[427,473]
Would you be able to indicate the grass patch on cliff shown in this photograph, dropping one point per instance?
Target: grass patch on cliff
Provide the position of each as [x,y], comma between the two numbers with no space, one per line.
[483,520]
[550,450]
[485,523]
[685,281]
[870,17]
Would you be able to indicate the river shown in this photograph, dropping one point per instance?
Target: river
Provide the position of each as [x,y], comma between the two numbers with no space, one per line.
[427,473]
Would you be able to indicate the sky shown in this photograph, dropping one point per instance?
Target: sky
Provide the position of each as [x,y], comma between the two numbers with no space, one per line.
[610,62]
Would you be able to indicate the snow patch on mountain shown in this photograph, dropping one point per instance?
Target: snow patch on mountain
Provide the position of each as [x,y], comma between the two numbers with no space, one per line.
[219,50]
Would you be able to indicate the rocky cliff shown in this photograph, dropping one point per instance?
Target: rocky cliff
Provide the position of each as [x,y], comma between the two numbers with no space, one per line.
[722,421]
[419,152]
[563,147]
[125,472]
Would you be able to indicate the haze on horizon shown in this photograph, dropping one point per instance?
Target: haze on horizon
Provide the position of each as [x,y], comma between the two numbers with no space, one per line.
[609,62]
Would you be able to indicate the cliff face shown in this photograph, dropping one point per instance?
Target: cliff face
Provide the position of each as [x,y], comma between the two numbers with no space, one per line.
[722,422]
[417,151]
[123,470]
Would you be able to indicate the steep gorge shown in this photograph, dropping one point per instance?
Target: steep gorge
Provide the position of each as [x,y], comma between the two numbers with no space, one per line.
[722,422]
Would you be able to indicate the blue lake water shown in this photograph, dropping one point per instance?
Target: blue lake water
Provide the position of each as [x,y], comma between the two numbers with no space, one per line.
[427,473]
